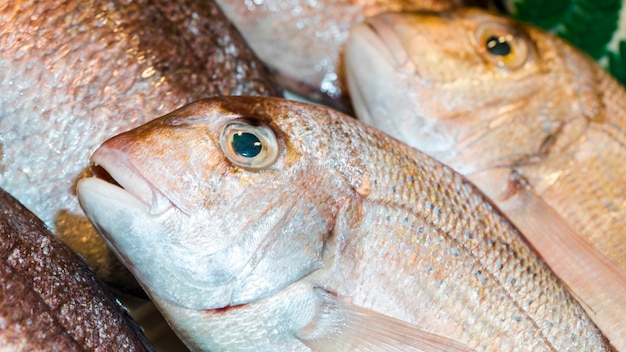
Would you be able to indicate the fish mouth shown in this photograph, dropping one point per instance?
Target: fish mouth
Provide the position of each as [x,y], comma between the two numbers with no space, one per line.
[373,74]
[384,36]
[113,167]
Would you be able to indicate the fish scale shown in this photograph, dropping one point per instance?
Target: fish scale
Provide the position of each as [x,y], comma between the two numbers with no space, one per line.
[351,240]
[446,228]
[49,300]
[594,185]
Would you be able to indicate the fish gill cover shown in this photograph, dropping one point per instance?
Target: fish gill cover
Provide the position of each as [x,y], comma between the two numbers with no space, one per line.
[591,25]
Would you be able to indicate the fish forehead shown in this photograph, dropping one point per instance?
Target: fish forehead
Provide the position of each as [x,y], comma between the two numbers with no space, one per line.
[308,123]
[180,153]
[444,46]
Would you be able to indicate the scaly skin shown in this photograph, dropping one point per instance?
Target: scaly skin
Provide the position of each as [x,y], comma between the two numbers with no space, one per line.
[235,257]
[49,300]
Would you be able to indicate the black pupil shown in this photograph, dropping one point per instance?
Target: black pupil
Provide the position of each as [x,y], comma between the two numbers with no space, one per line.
[498,46]
[246,144]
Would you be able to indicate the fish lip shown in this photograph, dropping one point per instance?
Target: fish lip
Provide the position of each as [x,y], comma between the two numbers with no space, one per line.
[130,180]
[384,36]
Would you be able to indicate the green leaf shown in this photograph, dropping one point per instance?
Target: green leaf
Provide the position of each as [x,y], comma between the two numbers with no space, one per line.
[587,24]
[590,27]
[617,63]
[543,14]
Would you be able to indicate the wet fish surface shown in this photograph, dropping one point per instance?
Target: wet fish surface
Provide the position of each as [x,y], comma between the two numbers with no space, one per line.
[49,300]
[536,124]
[74,73]
[266,224]
[303,40]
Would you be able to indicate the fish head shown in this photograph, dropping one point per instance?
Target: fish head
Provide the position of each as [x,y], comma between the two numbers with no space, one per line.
[461,83]
[215,205]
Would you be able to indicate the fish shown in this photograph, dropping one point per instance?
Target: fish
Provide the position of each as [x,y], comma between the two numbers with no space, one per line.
[76,72]
[260,223]
[302,41]
[49,299]
[537,125]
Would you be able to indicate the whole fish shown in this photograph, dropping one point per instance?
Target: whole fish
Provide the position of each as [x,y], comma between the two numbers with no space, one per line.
[302,40]
[49,300]
[271,225]
[536,124]
[75,72]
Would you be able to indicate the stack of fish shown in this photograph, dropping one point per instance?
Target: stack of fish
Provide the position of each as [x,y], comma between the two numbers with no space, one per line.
[74,73]
[263,224]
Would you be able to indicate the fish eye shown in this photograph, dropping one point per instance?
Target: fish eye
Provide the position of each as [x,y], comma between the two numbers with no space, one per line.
[249,144]
[504,46]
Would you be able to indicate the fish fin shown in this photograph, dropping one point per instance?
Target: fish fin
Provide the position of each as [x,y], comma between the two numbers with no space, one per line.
[342,326]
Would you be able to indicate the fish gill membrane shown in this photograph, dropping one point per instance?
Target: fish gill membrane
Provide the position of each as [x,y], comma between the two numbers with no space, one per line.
[530,120]
[263,224]
[74,73]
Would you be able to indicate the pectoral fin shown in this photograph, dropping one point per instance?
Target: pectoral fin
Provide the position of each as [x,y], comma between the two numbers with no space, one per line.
[342,326]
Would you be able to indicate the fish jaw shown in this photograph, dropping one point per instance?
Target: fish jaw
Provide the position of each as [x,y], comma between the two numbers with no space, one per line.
[376,100]
[270,324]
[123,172]
[135,235]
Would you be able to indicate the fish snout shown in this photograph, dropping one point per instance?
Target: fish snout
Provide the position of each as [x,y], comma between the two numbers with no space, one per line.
[111,164]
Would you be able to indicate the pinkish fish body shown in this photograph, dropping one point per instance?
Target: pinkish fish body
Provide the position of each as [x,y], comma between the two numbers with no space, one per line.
[303,40]
[270,225]
[536,124]
[73,73]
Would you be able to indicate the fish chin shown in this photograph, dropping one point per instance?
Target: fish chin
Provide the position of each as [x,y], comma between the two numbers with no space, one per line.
[167,252]
[140,239]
